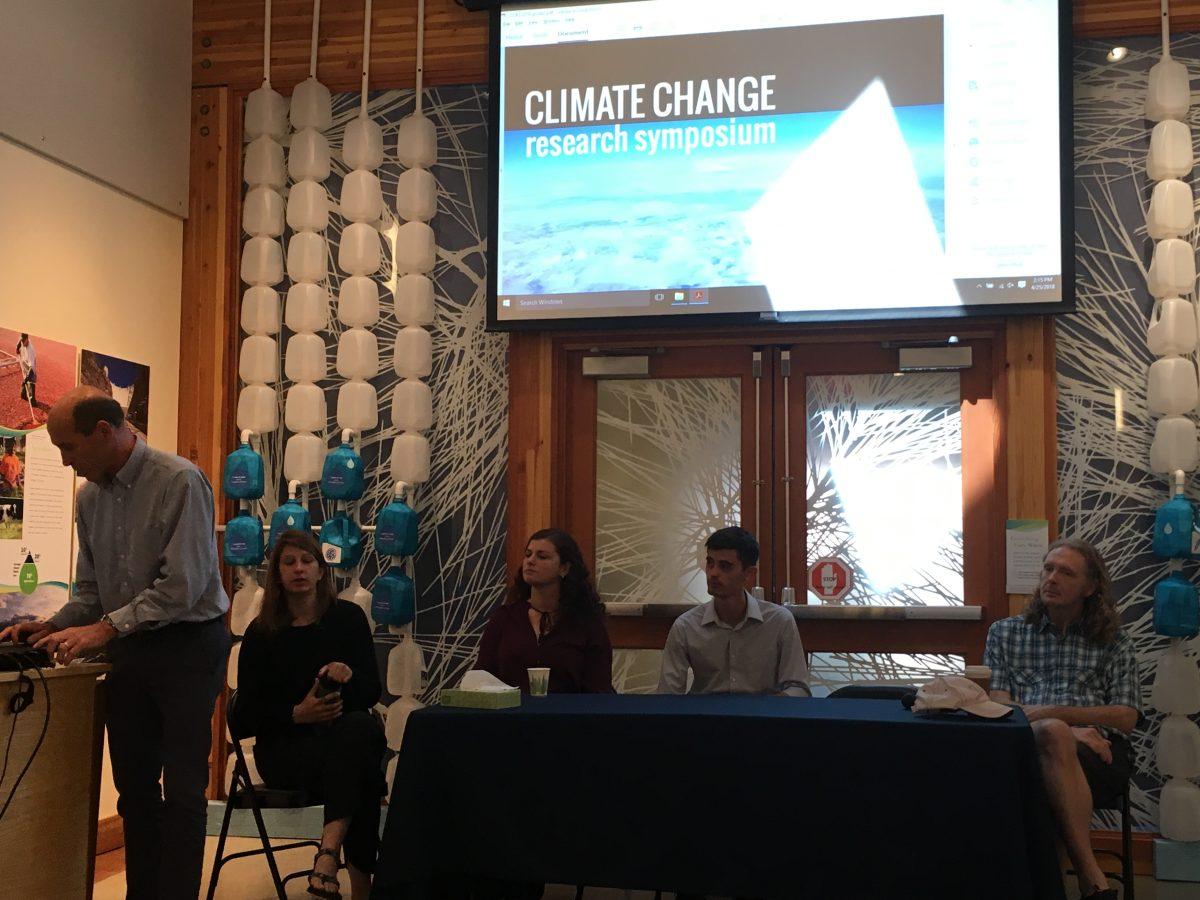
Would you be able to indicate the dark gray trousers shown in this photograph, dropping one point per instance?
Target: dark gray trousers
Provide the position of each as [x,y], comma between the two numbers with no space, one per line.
[159,717]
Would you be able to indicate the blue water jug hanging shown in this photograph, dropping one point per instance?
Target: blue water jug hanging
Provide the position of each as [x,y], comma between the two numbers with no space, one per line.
[393,598]
[1176,607]
[341,542]
[243,541]
[1173,528]
[290,516]
[396,530]
[342,475]
[244,476]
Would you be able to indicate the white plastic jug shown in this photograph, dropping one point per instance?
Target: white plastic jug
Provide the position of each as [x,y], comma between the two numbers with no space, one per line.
[263,212]
[397,717]
[416,142]
[258,409]
[1172,268]
[1179,810]
[266,113]
[303,458]
[308,156]
[262,261]
[414,300]
[245,604]
[304,409]
[259,360]
[231,669]
[1178,747]
[358,595]
[359,253]
[415,248]
[1171,212]
[357,406]
[413,357]
[362,196]
[416,195]
[260,310]
[405,666]
[305,358]
[1172,330]
[1171,387]
[311,105]
[410,458]
[308,256]
[308,206]
[1170,153]
[358,354]
[264,164]
[1169,93]
[358,301]
[362,145]
[412,405]
[1176,683]
[1175,445]
[307,307]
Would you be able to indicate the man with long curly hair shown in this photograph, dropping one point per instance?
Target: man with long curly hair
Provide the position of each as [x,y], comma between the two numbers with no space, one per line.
[1072,669]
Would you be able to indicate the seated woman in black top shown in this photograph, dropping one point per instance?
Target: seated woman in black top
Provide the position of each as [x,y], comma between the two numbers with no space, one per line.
[331,746]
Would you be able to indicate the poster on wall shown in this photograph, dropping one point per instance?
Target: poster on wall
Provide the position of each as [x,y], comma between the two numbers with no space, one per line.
[36,491]
[126,382]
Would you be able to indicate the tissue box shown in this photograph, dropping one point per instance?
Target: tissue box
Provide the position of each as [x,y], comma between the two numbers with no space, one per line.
[480,699]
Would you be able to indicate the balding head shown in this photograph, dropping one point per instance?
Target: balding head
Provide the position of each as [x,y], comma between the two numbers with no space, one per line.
[88,427]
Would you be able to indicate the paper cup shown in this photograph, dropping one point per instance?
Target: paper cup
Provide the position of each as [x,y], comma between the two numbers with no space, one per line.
[981,675]
[539,682]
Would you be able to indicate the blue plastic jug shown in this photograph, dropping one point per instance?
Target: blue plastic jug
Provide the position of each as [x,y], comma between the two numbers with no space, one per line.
[393,598]
[290,516]
[341,542]
[1176,607]
[243,541]
[244,476]
[396,530]
[342,475]
[1173,528]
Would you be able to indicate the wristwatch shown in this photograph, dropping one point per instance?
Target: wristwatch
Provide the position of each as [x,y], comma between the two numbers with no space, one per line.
[107,620]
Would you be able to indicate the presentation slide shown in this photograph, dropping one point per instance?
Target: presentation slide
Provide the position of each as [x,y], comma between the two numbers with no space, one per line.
[668,157]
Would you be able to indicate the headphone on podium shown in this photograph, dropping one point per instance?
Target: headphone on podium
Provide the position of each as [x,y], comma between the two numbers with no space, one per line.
[23,698]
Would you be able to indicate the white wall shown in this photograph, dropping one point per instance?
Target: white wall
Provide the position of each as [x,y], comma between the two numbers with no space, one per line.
[86,265]
[104,87]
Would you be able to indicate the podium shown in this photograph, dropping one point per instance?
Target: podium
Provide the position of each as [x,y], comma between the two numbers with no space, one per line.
[48,835]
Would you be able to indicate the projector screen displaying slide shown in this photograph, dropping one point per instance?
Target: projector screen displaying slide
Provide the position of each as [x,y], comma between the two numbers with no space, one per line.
[779,159]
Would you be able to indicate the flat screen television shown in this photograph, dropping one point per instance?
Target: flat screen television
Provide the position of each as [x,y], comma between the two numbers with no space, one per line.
[671,161]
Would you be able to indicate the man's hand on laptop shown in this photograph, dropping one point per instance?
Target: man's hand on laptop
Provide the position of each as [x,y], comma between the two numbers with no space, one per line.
[26,632]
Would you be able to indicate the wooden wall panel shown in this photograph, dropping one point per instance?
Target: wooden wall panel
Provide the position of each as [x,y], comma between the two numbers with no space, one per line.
[208,315]
[1031,441]
[1114,18]
[227,37]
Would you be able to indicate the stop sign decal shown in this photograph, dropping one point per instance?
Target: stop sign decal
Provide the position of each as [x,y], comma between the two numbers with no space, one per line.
[830,579]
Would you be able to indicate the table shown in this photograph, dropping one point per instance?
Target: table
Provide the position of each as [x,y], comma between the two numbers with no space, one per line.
[727,795]
[48,835]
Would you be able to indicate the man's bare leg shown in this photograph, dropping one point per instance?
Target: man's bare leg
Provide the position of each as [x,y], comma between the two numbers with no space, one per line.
[1070,799]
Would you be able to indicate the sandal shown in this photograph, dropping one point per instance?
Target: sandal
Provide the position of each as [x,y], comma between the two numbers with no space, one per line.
[317,890]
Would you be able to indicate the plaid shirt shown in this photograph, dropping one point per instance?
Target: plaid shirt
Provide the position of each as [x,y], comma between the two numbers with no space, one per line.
[1038,667]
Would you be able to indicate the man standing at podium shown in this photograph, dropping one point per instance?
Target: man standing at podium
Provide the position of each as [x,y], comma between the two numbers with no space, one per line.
[148,590]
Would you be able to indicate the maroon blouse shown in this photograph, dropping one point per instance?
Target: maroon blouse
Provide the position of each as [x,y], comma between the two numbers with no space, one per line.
[578,654]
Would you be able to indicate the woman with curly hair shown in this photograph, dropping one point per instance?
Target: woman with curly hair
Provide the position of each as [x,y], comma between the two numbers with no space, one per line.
[552,618]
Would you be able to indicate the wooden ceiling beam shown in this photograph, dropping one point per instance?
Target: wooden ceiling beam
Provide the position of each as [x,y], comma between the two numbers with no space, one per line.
[227,39]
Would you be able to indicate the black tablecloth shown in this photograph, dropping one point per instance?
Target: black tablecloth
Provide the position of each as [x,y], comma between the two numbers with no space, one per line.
[740,796]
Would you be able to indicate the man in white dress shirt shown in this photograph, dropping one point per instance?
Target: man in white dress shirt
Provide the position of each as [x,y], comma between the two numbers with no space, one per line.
[734,644]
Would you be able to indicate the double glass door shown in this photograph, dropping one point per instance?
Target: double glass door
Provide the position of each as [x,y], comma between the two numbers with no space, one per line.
[828,453]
